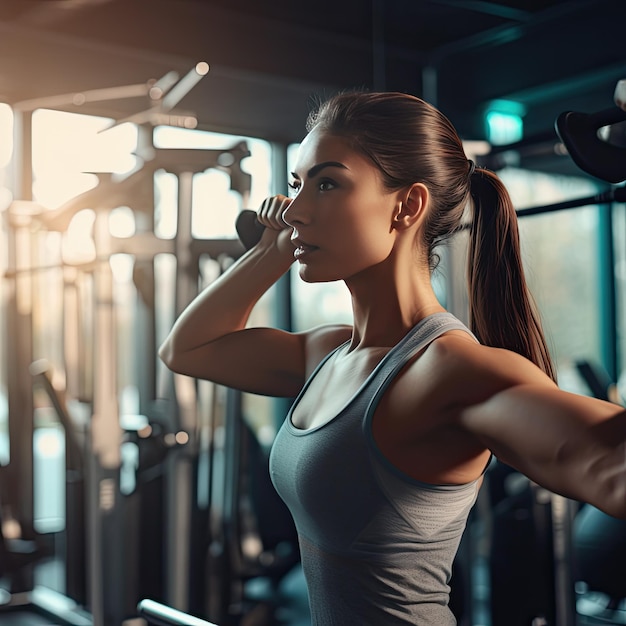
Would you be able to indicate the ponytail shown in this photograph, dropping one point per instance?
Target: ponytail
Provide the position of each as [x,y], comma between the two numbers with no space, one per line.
[502,312]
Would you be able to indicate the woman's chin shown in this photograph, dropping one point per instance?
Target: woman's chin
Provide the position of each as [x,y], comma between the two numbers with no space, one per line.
[308,275]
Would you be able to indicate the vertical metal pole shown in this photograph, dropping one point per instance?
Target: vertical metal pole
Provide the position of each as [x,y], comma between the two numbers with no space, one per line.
[145,314]
[565,597]
[283,311]
[75,510]
[71,331]
[19,338]
[179,475]
[105,544]
[608,297]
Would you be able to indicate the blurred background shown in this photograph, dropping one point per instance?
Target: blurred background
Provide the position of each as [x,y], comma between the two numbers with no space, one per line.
[132,133]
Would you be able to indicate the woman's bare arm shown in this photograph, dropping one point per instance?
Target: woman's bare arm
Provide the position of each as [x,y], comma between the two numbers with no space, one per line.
[210,340]
[569,443]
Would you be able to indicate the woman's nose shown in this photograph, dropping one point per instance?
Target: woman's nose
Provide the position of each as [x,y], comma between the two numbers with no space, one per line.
[292,214]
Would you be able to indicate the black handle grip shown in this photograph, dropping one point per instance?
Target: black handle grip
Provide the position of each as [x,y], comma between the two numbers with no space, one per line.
[579,134]
[248,228]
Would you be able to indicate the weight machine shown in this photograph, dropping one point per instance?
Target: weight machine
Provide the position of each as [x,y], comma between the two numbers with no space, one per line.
[153,505]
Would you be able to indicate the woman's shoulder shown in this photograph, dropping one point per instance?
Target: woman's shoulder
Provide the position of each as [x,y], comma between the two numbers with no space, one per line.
[321,340]
[459,362]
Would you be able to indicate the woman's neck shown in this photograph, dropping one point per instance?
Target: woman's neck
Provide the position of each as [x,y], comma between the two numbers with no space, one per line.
[385,309]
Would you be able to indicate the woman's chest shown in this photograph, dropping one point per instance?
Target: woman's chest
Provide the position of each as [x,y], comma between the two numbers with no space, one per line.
[334,385]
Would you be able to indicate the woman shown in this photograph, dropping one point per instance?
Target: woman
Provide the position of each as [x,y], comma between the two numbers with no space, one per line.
[397,416]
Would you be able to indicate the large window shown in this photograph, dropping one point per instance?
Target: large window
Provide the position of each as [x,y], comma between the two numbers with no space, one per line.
[561,252]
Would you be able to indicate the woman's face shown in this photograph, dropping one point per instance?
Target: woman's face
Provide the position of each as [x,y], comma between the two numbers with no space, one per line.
[341,214]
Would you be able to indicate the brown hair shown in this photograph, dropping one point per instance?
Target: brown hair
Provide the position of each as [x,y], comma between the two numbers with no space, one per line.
[409,140]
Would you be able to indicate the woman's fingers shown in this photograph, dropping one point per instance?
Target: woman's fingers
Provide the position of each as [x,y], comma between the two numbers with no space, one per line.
[271,212]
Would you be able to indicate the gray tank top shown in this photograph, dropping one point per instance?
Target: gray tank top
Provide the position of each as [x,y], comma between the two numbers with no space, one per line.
[377,546]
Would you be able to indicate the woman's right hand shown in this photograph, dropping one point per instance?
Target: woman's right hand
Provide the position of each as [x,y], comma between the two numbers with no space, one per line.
[277,231]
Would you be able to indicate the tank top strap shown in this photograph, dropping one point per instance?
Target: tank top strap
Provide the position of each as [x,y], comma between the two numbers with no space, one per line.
[420,336]
[426,331]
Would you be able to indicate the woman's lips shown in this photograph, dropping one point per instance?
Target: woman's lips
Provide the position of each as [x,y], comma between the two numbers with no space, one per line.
[302,249]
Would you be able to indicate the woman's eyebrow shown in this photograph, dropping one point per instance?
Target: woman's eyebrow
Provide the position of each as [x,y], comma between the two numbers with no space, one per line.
[316,169]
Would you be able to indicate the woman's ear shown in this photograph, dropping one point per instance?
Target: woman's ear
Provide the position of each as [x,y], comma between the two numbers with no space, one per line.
[411,206]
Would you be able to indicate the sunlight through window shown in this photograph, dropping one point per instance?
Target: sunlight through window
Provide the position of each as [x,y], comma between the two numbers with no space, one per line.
[215,205]
[68,147]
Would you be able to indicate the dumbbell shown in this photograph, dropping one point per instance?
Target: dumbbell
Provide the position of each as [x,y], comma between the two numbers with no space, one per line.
[248,228]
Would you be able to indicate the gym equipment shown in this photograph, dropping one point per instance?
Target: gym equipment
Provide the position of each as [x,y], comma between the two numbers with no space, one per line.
[159,614]
[174,447]
[17,555]
[530,555]
[579,133]
[182,533]
[248,228]
[615,194]
[599,540]
[75,522]
[599,547]
[600,383]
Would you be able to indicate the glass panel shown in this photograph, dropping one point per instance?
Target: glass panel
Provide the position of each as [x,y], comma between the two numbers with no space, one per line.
[560,251]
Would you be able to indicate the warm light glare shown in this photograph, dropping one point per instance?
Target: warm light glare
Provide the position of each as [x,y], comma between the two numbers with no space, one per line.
[121,267]
[67,145]
[78,245]
[145,432]
[48,445]
[214,203]
[202,68]
[165,213]
[122,222]
[182,438]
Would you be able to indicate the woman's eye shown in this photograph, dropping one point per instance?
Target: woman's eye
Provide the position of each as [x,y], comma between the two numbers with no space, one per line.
[326,185]
[294,187]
